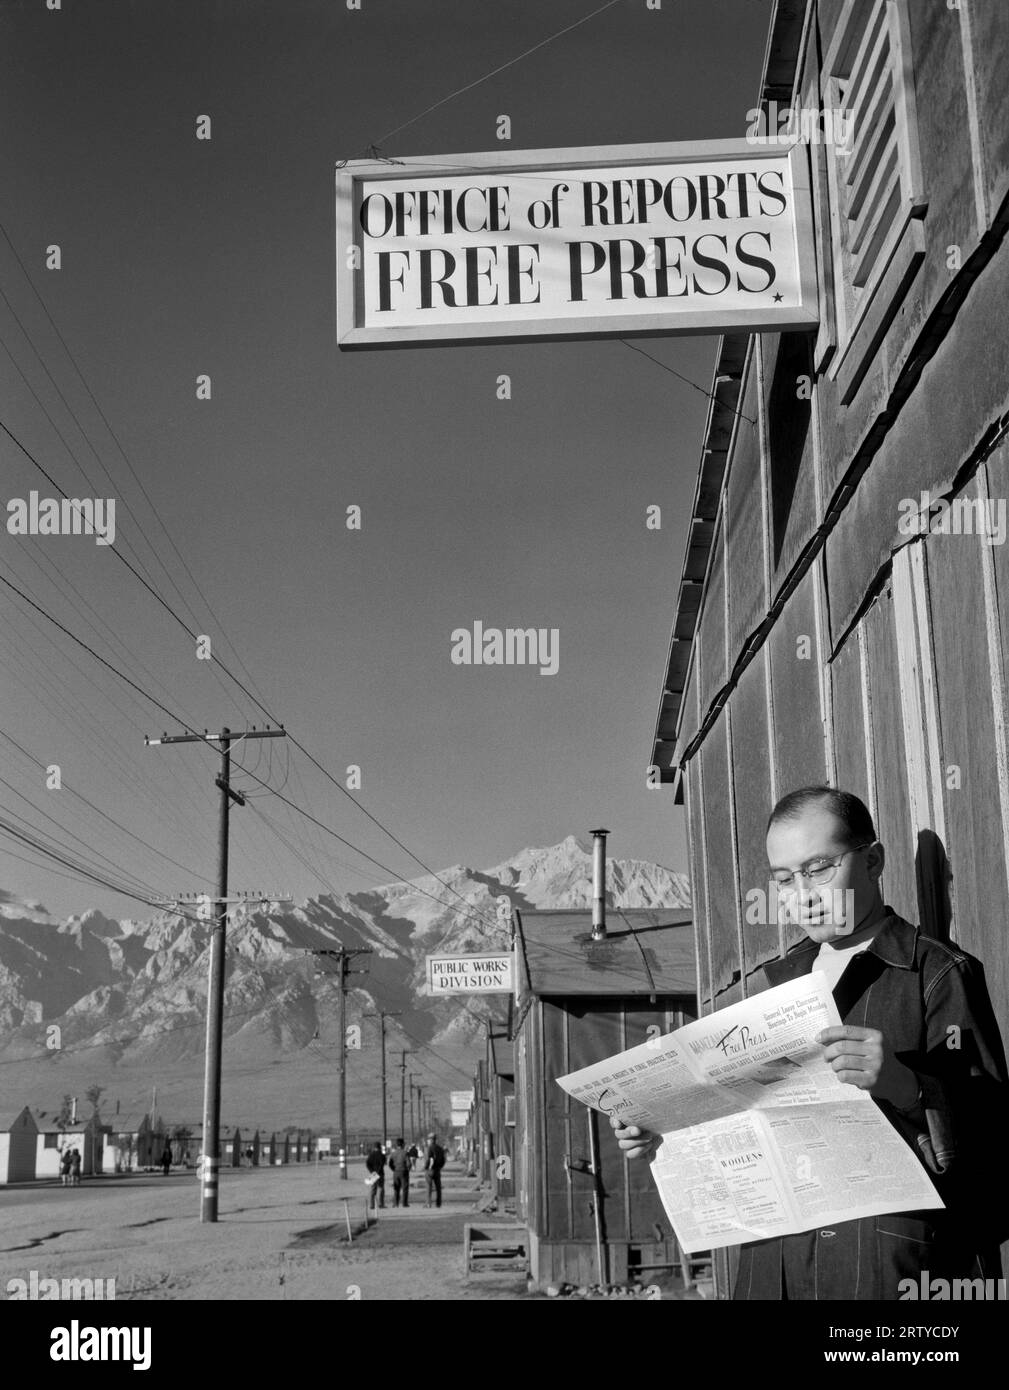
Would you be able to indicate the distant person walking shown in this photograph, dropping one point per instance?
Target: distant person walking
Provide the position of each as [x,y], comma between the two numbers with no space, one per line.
[166,1161]
[399,1162]
[75,1167]
[65,1168]
[434,1162]
[375,1164]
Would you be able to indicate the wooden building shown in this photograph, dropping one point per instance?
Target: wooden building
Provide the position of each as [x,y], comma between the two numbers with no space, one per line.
[185,1145]
[123,1138]
[18,1146]
[53,1141]
[843,612]
[481,1101]
[229,1146]
[151,1137]
[471,1141]
[580,1001]
[500,1115]
[49,1150]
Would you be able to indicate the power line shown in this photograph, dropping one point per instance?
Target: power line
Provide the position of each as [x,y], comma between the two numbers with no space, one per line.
[187,791]
[112,821]
[203,738]
[233,677]
[39,692]
[128,875]
[115,438]
[472,912]
[97,878]
[114,549]
[165,710]
[434,1052]
[494,72]
[147,585]
[672,370]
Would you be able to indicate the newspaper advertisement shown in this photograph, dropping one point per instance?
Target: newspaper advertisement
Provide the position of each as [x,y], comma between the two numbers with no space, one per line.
[759,1136]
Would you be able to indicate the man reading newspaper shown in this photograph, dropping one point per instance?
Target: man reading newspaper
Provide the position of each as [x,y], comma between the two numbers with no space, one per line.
[918,1033]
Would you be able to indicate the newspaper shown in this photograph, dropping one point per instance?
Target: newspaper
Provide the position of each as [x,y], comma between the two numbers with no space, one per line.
[759,1136]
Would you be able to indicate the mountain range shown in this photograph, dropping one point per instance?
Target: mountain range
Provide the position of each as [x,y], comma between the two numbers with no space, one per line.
[121,1004]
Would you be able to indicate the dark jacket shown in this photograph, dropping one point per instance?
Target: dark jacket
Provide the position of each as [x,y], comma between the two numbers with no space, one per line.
[435,1159]
[929,1001]
[375,1163]
[399,1162]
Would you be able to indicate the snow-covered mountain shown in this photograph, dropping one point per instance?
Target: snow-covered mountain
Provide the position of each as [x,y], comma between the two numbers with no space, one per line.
[133,993]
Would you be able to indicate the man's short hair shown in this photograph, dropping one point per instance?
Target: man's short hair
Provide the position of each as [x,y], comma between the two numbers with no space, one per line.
[846,806]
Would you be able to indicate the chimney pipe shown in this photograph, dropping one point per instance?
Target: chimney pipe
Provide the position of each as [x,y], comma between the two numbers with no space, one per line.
[599,884]
[73,1110]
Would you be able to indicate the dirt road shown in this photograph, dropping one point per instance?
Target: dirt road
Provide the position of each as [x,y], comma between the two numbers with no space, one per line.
[282,1234]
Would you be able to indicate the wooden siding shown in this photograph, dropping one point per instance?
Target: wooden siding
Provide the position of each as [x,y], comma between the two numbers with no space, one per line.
[751,763]
[790,482]
[699,901]
[712,627]
[913,656]
[723,934]
[554,1196]
[795,679]
[893,814]
[747,600]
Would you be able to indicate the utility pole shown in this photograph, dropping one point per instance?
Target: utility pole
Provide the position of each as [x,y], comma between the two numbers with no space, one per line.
[382,1015]
[413,1128]
[342,956]
[420,1107]
[215,990]
[403,1055]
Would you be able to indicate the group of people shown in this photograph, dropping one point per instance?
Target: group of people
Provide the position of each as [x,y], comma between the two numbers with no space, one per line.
[402,1160]
[70,1168]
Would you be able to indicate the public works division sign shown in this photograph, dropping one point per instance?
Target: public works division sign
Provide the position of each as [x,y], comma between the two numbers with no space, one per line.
[471,974]
[581,243]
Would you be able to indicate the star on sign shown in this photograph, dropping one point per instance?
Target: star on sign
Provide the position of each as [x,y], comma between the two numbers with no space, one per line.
[778,298]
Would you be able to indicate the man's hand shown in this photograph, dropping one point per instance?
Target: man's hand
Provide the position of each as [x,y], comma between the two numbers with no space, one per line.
[862,1057]
[634,1142]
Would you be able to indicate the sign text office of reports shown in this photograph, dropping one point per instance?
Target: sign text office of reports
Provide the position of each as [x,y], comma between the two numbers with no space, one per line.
[579,243]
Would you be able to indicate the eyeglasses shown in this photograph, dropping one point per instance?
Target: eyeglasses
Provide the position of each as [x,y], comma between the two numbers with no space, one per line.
[818,871]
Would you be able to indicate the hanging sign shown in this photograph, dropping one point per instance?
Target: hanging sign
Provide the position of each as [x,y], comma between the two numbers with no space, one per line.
[471,974]
[625,240]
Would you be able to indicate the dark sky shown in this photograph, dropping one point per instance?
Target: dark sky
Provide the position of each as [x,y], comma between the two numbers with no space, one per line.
[182,257]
